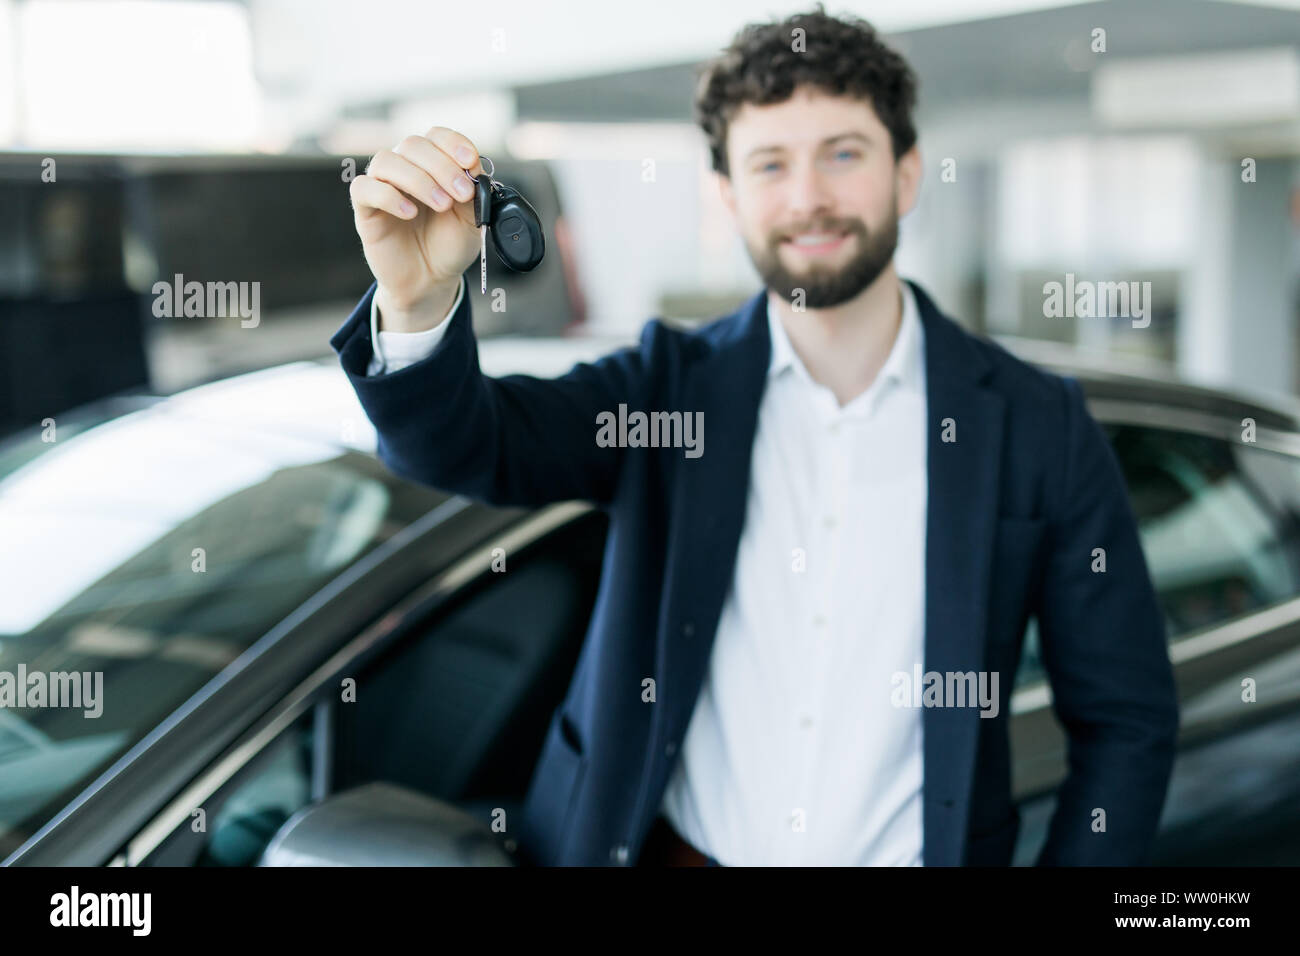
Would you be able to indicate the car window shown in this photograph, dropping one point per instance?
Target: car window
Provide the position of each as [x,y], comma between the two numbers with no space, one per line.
[238,821]
[141,557]
[1218,521]
[1220,527]
[456,708]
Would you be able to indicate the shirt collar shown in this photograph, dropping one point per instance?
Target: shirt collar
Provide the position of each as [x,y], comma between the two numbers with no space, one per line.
[902,365]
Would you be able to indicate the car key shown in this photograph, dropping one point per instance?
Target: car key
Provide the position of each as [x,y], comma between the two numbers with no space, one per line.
[482,213]
[516,228]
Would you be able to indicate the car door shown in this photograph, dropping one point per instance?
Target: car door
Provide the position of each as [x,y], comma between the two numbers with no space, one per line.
[1219,520]
[449,695]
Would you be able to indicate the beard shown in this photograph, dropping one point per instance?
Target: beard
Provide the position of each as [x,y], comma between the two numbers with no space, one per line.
[827,286]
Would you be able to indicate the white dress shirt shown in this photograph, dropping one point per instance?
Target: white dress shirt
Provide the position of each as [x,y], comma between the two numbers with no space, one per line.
[392,351]
[794,753]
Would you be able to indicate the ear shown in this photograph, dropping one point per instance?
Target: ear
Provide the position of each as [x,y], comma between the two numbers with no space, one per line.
[908,176]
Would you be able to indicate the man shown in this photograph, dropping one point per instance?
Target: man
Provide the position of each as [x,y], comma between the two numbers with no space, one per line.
[880,495]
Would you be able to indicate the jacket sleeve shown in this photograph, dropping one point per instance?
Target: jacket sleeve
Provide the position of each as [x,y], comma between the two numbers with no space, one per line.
[396,350]
[514,440]
[1105,652]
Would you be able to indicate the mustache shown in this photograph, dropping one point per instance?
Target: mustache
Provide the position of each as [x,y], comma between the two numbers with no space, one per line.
[850,226]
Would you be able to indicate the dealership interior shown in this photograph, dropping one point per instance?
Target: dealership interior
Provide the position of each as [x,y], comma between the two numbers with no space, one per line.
[1109,190]
[216,137]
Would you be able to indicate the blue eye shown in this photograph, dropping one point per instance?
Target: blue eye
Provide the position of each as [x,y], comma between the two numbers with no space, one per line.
[847,154]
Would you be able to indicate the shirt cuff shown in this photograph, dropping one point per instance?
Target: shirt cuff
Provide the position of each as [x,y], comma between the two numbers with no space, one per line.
[392,351]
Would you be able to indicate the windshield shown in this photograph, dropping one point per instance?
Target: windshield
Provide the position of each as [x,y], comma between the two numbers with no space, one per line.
[140,556]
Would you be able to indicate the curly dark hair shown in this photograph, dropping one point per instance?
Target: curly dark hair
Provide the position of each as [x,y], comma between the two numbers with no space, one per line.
[841,55]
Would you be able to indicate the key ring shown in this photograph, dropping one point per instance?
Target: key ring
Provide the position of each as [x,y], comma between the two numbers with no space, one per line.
[490,173]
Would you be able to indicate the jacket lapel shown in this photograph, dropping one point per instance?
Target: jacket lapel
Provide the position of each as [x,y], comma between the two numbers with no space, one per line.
[708,509]
[961,518]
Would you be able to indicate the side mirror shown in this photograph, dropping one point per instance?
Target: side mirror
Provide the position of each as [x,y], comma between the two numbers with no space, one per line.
[381,824]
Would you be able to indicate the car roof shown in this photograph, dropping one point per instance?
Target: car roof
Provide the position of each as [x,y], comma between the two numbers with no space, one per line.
[1111,377]
[313,399]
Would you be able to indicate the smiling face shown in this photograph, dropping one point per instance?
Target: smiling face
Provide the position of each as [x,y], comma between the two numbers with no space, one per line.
[816,194]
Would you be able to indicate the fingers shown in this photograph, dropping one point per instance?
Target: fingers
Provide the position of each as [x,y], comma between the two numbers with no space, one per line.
[368,194]
[418,185]
[457,146]
[435,170]
[448,174]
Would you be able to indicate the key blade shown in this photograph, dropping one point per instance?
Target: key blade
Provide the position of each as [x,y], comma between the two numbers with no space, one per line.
[482,259]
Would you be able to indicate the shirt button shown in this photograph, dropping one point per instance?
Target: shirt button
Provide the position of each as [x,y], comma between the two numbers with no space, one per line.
[828,522]
[805,722]
[834,428]
[619,854]
[819,620]
[670,749]
[688,628]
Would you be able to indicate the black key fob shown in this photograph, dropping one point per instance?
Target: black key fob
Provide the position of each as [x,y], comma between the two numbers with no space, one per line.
[482,199]
[516,230]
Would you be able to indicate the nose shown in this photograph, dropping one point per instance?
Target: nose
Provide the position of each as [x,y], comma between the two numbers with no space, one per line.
[809,193]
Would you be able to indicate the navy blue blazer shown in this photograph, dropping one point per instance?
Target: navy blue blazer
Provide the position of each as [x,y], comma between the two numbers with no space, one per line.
[1016,505]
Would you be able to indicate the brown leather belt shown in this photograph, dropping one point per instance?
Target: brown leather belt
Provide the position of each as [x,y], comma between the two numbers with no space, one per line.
[665,847]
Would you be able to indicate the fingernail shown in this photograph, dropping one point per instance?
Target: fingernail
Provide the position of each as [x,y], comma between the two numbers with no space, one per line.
[407,207]
[440,197]
[465,155]
[463,189]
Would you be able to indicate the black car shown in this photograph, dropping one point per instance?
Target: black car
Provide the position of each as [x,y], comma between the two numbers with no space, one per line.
[306,659]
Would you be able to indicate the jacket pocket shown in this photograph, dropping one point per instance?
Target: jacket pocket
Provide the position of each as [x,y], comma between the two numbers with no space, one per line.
[554,789]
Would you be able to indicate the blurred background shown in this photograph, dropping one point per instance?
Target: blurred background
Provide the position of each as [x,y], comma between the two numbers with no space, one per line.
[214,139]
[212,494]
